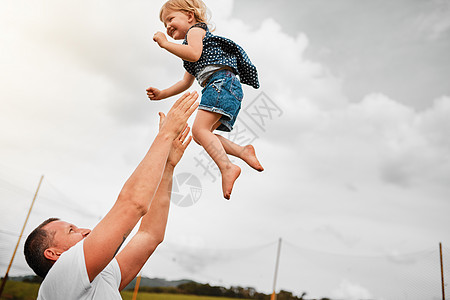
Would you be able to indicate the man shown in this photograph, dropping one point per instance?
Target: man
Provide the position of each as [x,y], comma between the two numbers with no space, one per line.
[82,264]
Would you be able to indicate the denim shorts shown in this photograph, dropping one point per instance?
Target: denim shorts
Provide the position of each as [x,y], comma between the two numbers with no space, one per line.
[223,94]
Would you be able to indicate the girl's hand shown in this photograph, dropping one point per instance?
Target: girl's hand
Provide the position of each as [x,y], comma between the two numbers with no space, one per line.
[154,93]
[160,38]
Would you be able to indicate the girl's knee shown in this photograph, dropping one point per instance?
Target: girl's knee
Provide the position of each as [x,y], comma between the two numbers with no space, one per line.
[200,131]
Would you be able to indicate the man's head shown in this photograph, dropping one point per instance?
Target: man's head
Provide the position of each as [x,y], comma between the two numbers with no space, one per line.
[48,241]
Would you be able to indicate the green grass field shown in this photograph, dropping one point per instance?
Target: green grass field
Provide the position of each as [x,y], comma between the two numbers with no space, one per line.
[150,296]
[20,290]
[15,290]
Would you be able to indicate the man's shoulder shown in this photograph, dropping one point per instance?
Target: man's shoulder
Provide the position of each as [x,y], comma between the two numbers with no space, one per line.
[68,278]
[67,275]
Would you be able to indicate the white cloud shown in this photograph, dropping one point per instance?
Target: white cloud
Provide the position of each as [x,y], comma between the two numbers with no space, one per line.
[418,149]
[377,137]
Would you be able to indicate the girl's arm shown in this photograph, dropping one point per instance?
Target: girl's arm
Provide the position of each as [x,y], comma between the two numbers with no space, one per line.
[190,52]
[179,87]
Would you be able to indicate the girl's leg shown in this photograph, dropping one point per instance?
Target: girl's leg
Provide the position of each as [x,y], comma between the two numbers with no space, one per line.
[202,133]
[246,153]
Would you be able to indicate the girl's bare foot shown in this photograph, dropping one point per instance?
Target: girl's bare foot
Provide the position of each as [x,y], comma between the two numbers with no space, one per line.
[249,156]
[229,176]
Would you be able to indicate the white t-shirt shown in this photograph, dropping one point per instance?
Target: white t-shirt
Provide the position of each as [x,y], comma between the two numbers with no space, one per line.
[68,279]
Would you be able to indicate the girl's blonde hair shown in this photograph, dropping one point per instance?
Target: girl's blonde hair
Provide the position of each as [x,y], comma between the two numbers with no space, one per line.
[197,7]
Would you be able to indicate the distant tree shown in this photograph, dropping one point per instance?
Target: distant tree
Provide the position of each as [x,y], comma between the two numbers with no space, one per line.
[195,288]
[167,290]
[285,295]
[261,296]
[33,279]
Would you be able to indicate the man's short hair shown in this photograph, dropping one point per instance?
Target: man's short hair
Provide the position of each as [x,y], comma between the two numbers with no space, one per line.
[37,242]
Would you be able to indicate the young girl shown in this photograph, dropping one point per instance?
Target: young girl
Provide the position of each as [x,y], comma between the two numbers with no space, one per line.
[214,61]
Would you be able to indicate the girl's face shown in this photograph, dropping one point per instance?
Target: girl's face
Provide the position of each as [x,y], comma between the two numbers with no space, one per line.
[177,23]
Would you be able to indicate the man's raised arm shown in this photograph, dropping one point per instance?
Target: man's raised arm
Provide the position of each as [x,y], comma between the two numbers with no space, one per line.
[135,198]
[153,225]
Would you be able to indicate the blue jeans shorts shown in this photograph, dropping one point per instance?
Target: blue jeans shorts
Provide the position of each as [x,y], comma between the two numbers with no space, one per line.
[223,94]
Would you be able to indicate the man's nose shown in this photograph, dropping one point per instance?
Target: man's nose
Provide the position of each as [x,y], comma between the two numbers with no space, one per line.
[85,231]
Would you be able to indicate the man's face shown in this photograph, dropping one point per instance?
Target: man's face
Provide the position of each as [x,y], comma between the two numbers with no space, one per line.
[66,236]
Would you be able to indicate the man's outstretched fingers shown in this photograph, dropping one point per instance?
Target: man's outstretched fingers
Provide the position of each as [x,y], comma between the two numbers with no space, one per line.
[184,133]
[180,100]
[162,116]
[185,105]
[192,108]
[175,120]
[187,142]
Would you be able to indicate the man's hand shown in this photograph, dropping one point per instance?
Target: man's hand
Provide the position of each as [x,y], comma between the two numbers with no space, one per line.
[160,38]
[175,121]
[154,93]
[178,145]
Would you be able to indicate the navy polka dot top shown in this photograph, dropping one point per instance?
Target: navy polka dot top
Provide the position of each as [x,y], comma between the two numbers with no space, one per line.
[218,50]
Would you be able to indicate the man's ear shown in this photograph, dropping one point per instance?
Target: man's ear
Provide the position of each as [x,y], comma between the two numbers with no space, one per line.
[52,253]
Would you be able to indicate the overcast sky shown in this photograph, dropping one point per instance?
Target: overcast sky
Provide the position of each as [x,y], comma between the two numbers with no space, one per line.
[352,125]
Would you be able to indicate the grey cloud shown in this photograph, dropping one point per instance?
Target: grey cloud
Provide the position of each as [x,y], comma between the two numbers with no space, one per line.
[377,45]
